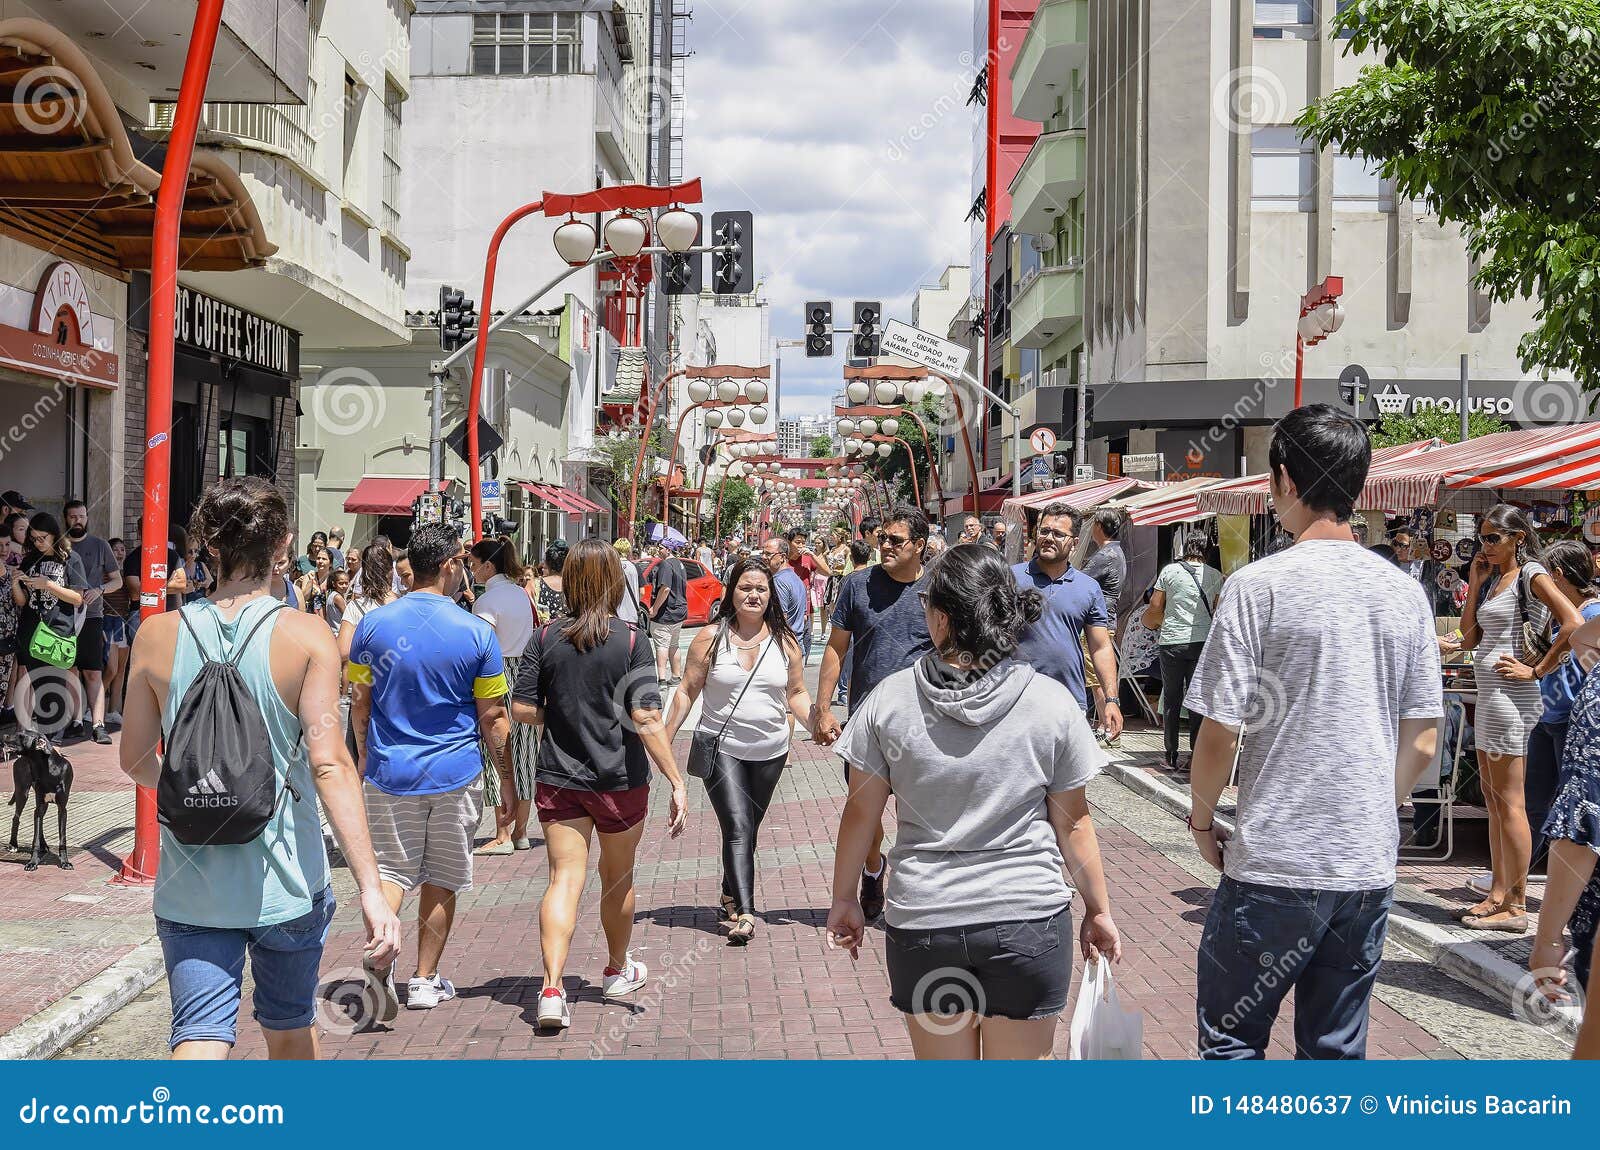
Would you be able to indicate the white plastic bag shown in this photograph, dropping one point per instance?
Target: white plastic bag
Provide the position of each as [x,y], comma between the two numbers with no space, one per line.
[1101,1028]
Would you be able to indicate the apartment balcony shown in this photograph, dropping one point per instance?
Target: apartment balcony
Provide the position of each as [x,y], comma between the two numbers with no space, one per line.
[1047,306]
[1057,42]
[1052,176]
[279,129]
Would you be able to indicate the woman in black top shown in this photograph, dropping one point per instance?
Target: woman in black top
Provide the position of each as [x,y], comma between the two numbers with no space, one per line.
[47,590]
[549,598]
[590,679]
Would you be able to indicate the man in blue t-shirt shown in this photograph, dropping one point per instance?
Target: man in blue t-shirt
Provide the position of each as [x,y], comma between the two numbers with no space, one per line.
[878,619]
[791,591]
[428,683]
[1074,612]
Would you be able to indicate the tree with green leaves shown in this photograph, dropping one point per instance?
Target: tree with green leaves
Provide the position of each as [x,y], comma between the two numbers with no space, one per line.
[738,505]
[1431,423]
[1485,110]
[821,446]
[614,456]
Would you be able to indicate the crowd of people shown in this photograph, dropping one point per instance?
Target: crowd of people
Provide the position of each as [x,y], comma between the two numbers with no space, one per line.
[979,691]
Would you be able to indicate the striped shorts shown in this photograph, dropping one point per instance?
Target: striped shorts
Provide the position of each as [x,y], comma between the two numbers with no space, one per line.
[425,838]
[524,752]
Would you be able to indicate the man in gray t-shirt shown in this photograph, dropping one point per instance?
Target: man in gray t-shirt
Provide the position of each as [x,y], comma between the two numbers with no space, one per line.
[1324,656]
[104,573]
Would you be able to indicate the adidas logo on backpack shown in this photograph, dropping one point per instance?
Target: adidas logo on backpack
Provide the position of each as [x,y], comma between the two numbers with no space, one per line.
[219,785]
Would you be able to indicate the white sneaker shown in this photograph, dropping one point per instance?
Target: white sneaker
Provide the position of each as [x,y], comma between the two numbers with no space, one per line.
[1481,883]
[426,993]
[627,980]
[554,1014]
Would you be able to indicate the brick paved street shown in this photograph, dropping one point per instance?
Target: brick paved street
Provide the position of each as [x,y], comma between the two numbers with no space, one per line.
[787,995]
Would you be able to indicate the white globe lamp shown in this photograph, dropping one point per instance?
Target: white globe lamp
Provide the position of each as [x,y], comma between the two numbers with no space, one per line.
[890,427]
[699,390]
[677,229]
[625,235]
[713,418]
[756,390]
[575,242]
[858,391]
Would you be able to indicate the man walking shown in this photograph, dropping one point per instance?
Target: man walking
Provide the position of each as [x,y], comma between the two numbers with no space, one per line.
[104,573]
[669,607]
[1075,619]
[791,593]
[336,548]
[1323,646]
[1108,566]
[878,619]
[428,682]
[971,530]
[807,565]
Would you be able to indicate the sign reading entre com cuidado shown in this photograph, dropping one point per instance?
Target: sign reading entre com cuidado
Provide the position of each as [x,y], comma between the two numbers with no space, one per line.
[940,355]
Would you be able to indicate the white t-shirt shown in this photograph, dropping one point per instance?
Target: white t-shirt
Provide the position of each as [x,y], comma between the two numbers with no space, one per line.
[759,729]
[356,608]
[505,606]
[1317,653]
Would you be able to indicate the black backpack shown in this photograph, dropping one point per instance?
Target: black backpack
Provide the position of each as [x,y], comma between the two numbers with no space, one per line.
[219,783]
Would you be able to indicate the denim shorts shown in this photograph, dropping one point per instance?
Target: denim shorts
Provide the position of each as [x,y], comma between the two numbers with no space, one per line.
[205,973]
[1020,970]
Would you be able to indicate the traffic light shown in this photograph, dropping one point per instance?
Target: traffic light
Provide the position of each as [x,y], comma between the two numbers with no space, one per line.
[733,263]
[819,330]
[680,273]
[458,316]
[868,335]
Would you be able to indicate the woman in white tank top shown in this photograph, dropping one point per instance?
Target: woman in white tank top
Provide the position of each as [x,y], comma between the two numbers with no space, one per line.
[747,664]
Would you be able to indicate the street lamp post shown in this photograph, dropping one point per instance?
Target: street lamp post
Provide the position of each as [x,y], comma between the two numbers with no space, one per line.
[1321,314]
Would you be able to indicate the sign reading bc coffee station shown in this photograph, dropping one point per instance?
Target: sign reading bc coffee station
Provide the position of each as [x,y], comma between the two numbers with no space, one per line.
[211,325]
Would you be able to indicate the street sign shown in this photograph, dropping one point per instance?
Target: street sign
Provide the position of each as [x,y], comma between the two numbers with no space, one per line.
[489,440]
[1083,473]
[1138,464]
[1043,440]
[940,355]
[492,500]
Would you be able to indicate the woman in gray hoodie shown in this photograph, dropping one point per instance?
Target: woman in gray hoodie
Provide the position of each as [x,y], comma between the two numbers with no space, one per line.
[987,761]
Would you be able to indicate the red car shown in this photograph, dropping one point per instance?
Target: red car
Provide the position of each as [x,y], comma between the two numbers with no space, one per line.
[704,590]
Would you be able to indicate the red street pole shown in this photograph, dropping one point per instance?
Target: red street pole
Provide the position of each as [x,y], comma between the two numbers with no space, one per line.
[911,462]
[651,400]
[139,868]
[479,353]
[1299,366]
[966,439]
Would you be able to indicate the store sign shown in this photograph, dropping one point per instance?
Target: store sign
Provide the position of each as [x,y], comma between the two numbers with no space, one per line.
[1392,401]
[59,339]
[1184,455]
[208,324]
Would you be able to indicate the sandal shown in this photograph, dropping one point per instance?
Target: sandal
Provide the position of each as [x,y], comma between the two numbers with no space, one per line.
[1504,921]
[730,910]
[743,930]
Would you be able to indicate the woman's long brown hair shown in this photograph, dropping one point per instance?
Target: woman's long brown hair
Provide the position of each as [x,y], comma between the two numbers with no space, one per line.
[592,582]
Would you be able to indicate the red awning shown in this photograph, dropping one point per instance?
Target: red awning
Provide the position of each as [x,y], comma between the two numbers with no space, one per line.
[562,499]
[384,495]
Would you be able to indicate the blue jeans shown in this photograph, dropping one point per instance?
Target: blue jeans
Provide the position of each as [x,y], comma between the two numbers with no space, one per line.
[1262,941]
[205,973]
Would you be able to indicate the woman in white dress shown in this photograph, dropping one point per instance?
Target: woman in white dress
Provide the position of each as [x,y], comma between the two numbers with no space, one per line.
[1508,585]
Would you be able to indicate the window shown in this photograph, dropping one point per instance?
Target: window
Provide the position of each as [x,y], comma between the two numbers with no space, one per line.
[1357,186]
[527,44]
[391,158]
[1280,170]
[1286,20]
[352,124]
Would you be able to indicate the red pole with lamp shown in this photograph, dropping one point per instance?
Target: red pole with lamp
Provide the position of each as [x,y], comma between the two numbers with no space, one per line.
[139,868]
[1321,315]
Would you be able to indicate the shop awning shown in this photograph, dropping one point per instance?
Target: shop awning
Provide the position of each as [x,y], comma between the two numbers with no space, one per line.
[384,495]
[563,500]
[1170,503]
[1251,496]
[1085,496]
[1563,458]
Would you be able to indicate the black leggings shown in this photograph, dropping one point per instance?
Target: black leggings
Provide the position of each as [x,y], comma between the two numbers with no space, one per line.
[1177,668]
[739,793]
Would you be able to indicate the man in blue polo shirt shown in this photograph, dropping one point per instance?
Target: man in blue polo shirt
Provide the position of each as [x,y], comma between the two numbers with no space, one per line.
[1074,606]
[428,683]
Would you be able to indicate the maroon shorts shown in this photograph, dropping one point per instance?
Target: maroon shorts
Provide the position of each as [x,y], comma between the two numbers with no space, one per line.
[612,811]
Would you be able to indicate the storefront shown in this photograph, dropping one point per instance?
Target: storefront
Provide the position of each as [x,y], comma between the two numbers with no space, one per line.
[234,383]
[60,379]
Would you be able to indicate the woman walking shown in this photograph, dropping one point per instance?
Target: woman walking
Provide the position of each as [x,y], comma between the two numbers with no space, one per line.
[987,761]
[590,681]
[13,537]
[313,585]
[1509,586]
[749,667]
[548,598]
[1180,611]
[505,606]
[47,590]
[371,590]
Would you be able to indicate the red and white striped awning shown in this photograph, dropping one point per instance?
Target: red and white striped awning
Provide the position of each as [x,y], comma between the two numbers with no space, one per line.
[1173,502]
[1563,458]
[1251,496]
[1084,496]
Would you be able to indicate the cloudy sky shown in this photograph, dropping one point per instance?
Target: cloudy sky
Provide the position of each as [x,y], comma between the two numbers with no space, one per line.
[843,126]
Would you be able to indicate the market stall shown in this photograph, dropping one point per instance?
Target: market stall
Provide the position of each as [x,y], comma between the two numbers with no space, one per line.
[1020,510]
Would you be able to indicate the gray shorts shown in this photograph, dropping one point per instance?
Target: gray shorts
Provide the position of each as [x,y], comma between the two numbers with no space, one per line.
[425,838]
[665,637]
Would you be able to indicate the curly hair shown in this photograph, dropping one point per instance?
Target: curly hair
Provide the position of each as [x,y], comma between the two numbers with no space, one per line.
[244,522]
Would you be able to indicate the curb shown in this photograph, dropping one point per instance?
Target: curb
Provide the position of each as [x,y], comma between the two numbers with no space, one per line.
[59,1025]
[1467,962]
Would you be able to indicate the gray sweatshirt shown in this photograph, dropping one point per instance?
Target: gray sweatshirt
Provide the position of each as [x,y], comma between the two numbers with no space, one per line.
[970,767]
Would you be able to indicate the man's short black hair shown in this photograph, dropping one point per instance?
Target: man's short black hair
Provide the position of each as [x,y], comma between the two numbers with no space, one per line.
[915,521]
[796,533]
[1109,522]
[870,525]
[71,503]
[1327,454]
[432,546]
[1056,511]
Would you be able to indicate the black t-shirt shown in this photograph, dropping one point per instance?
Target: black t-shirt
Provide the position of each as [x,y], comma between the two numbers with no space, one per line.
[668,579]
[132,568]
[888,629]
[589,740]
[44,607]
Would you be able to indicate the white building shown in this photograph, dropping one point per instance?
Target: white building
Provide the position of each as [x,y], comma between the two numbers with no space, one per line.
[506,100]
[795,436]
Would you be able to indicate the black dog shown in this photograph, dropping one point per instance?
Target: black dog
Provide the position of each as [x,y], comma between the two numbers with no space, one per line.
[45,771]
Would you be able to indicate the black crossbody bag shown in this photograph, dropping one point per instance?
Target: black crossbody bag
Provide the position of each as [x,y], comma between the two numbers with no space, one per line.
[705,747]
